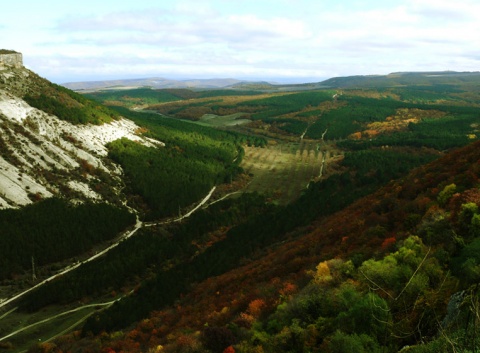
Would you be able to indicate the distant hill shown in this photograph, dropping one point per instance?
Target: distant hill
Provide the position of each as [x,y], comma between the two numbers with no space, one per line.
[153,82]
[397,79]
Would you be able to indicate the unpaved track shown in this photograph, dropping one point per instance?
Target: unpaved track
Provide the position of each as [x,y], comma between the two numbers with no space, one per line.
[56,316]
[127,234]
[72,267]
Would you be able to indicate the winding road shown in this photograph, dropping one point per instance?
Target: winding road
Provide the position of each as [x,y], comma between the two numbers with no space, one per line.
[126,234]
[72,267]
[56,316]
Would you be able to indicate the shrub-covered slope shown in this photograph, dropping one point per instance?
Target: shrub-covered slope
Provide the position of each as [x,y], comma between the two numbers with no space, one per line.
[376,276]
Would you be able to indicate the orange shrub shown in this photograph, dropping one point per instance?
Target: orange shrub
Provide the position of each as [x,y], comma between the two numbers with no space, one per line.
[388,242]
[255,307]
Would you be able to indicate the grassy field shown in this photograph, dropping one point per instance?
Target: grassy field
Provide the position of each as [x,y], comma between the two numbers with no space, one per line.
[222,121]
[282,170]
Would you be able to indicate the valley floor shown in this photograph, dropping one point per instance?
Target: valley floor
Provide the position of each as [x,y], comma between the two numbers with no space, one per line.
[282,170]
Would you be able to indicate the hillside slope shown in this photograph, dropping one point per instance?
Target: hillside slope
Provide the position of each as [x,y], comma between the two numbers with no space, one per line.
[241,274]
[399,79]
[262,307]
[43,155]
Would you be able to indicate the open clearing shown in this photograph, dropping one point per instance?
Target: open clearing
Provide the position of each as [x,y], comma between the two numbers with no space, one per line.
[221,121]
[282,170]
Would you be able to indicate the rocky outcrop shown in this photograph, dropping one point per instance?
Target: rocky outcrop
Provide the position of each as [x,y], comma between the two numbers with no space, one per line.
[10,58]
[42,156]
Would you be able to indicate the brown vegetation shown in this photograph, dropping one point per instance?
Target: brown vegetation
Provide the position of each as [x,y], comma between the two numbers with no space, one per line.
[367,227]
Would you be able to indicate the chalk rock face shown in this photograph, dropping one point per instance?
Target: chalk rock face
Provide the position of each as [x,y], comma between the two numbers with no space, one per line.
[10,58]
[43,156]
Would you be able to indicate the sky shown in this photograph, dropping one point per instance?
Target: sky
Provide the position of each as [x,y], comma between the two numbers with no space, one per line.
[280,40]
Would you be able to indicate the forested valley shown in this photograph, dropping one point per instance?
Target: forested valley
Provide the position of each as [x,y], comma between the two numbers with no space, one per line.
[368,258]
[53,230]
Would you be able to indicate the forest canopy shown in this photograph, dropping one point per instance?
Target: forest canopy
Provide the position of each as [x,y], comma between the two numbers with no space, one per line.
[53,229]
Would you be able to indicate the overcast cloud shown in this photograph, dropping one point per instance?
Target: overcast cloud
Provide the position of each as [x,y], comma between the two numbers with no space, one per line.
[283,39]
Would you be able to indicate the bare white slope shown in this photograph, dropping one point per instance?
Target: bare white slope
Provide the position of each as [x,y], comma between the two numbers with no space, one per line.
[42,156]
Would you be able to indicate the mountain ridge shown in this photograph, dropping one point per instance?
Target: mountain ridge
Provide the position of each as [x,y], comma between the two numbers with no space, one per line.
[400,78]
[394,79]
[153,82]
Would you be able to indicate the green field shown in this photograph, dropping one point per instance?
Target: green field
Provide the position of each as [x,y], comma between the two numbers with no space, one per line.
[282,171]
[223,121]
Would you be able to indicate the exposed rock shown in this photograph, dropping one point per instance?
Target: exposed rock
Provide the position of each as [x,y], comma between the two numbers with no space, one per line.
[10,58]
[42,156]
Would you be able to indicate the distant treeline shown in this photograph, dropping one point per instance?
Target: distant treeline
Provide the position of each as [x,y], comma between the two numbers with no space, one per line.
[352,114]
[284,104]
[150,96]
[439,133]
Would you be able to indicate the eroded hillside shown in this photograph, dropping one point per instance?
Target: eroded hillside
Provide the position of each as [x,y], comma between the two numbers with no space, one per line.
[42,155]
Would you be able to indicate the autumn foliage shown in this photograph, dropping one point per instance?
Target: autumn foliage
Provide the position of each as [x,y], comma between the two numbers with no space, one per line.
[241,294]
[387,254]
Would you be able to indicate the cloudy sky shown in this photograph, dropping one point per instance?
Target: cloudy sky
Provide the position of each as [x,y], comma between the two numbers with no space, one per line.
[282,40]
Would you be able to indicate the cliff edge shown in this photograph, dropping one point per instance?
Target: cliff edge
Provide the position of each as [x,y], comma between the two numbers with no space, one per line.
[10,58]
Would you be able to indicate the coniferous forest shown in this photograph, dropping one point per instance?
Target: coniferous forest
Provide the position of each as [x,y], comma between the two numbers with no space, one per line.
[54,230]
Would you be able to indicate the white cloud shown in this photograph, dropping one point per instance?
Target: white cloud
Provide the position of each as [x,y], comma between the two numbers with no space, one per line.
[286,37]
[137,21]
[446,10]
[181,27]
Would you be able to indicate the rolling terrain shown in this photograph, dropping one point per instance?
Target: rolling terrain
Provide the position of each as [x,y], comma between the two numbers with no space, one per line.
[155,82]
[243,219]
